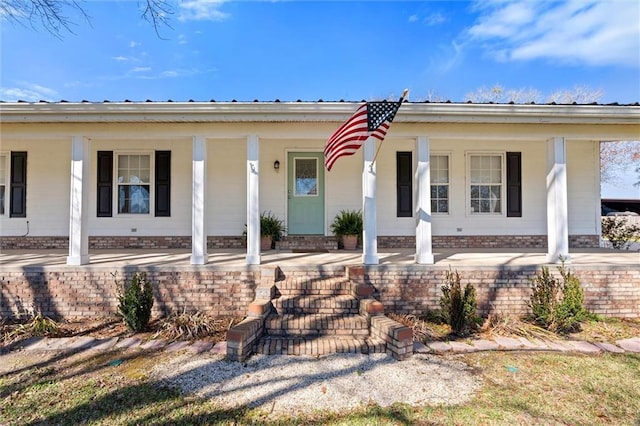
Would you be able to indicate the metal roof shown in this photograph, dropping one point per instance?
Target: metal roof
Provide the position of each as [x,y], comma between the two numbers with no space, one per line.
[307,111]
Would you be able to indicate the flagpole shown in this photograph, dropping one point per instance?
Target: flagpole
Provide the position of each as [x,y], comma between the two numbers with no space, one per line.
[404,94]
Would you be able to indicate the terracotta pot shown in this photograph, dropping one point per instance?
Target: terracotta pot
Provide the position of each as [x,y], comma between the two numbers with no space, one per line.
[349,242]
[265,242]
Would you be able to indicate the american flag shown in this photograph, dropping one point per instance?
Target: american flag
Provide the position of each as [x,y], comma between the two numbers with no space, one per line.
[370,119]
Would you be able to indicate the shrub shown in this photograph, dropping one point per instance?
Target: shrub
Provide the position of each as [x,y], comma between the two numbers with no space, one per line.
[458,306]
[347,222]
[618,232]
[135,300]
[271,225]
[557,305]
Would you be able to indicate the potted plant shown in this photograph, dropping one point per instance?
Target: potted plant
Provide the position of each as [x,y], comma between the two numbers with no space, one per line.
[347,225]
[271,229]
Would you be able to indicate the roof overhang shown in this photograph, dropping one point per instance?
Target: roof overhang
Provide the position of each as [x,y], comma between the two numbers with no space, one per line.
[229,112]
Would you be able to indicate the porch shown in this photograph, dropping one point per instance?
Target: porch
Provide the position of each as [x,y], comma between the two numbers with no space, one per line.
[236,259]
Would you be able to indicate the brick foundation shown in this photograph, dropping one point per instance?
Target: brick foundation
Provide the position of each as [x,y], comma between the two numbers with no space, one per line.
[82,294]
[72,292]
[609,291]
[294,242]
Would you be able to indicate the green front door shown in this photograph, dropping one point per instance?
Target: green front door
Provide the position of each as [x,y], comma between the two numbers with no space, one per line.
[305,177]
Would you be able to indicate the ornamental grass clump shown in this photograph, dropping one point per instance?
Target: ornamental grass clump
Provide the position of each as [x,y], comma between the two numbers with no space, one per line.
[458,305]
[135,300]
[558,305]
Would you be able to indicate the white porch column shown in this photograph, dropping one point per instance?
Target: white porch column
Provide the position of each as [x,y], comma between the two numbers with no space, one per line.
[198,208]
[557,205]
[79,211]
[370,228]
[424,250]
[253,200]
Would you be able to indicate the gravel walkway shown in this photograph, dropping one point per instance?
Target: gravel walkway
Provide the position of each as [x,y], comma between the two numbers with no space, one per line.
[286,384]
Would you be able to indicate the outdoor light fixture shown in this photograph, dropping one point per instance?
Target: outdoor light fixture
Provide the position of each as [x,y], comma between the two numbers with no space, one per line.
[276,164]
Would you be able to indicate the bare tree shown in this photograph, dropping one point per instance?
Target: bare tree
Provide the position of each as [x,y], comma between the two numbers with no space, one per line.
[579,95]
[55,16]
[615,156]
[498,94]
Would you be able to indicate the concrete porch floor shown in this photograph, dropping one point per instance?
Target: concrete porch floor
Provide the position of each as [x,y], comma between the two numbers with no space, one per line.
[235,259]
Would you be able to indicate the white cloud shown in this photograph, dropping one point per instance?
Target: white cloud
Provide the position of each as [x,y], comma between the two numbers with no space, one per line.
[434,19]
[429,20]
[133,44]
[588,32]
[141,69]
[201,10]
[27,92]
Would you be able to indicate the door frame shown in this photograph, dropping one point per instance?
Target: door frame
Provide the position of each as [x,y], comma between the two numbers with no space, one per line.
[288,151]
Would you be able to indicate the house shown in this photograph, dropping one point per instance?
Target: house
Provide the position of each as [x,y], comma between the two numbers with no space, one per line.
[193,175]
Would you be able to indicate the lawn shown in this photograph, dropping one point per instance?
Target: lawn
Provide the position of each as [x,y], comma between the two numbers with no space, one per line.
[517,388]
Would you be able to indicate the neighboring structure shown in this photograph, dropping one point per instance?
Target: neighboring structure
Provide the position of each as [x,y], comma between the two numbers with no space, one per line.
[194,174]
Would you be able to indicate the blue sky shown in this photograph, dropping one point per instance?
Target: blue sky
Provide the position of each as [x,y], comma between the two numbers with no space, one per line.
[331,50]
[291,50]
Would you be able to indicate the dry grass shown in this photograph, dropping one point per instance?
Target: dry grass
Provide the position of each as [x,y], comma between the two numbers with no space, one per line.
[191,326]
[427,329]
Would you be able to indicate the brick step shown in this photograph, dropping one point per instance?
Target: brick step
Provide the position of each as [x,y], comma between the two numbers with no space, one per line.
[307,242]
[316,324]
[323,345]
[318,287]
[327,304]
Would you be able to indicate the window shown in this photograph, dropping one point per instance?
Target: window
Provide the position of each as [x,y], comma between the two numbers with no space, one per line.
[3,182]
[134,183]
[439,183]
[306,177]
[485,190]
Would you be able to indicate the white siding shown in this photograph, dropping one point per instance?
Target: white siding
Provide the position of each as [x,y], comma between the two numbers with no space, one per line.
[48,183]
[583,187]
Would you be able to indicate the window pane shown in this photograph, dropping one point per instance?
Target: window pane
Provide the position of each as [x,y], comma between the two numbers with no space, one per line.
[306,177]
[443,191]
[3,169]
[434,206]
[443,206]
[434,191]
[485,170]
[2,192]
[133,199]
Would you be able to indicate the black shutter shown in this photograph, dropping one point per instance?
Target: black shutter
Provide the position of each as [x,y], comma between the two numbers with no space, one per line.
[105,184]
[404,191]
[18,185]
[163,183]
[514,184]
